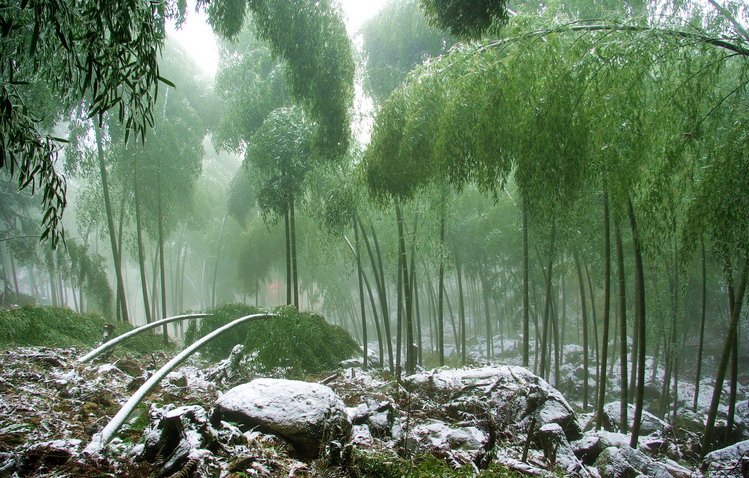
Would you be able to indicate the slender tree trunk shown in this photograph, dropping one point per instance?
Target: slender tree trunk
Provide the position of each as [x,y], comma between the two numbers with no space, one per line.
[723,364]
[547,304]
[441,292]
[139,233]
[15,274]
[122,307]
[640,320]
[154,289]
[594,320]
[606,307]
[289,277]
[294,268]
[399,299]
[218,257]
[164,329]
[381,291]
[456,334]
[410,346]
[734,370]
[361,294]
[624,423]
[584,313]
[461,309]
[488,322]
[700,348]
[526,298]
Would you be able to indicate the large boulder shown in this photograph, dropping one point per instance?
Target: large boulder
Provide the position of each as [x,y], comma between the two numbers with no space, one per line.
[626,462]
[729,462]
[306,415]
[650,424]
[514,398]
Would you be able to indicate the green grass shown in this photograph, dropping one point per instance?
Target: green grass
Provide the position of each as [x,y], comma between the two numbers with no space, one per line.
[61,327]
[299,343]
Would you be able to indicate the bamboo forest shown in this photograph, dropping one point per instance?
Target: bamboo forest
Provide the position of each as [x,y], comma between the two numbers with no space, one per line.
[374,238]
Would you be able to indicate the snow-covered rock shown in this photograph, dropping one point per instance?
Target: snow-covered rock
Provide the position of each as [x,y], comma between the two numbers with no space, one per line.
[627,462]
[729,462]
[38,456]
[557,449]
[516,397]
[436,435]
[178,436]
[307,415]
[650,423]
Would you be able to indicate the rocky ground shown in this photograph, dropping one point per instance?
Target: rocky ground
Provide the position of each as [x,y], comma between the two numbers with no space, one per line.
[215,420]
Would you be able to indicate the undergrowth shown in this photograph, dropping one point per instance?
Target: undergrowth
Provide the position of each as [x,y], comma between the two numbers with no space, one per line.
[390,465]
[61,327]
[296,343]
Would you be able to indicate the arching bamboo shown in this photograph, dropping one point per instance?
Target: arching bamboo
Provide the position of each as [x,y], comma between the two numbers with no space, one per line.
[100,439]
[108,345]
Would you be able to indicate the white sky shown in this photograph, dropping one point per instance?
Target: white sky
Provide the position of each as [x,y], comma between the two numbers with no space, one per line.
[197,36]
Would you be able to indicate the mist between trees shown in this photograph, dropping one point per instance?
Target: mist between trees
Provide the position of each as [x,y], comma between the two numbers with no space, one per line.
[543,181]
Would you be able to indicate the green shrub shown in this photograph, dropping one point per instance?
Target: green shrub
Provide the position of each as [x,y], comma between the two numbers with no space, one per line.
[61,327]
[297,342]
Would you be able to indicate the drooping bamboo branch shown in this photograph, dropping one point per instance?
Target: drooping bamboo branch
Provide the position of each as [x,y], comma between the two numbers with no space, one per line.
[100,439]
[108,345]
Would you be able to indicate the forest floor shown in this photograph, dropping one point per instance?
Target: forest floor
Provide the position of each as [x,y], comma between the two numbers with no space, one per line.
[50,407]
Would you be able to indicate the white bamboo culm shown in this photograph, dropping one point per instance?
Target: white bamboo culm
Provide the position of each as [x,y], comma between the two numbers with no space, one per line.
[108,345]
[99,440]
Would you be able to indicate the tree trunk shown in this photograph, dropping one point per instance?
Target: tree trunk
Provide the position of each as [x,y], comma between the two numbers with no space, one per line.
[110,224]
[624,423]
[723,365]
[700,348]
[407,297]
[215,265]
[294,268]
[139,233]
[441,292]
[526,298]
[381,291]
[640,320]
[361,294]
[289,277]
[461,309]
[547,304]
[606,307]
[584,313]
[164,329]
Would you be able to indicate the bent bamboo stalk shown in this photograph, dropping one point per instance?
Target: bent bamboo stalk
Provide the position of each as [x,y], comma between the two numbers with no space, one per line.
[99,440]
[108,345]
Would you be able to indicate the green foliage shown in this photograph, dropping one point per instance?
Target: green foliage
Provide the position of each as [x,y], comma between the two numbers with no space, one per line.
[278,159]
[310,37]
[466,19]
[395,41]
[390,465]
[296,342]
[250,83]
[61,327]
[106,50]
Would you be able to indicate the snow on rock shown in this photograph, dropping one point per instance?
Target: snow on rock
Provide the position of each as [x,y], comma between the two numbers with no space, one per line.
[627,462]
[650,423]
[177,436]
[436,435]
[516,397]
[557,449]
[729,462]
[43,455]
[307,415]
